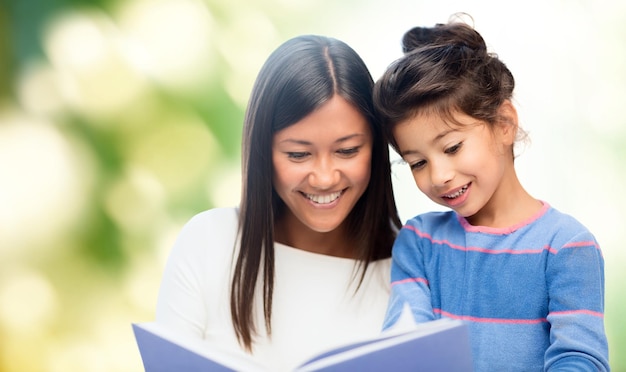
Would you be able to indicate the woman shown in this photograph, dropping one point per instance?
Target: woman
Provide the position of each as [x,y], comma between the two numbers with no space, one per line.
[303,264]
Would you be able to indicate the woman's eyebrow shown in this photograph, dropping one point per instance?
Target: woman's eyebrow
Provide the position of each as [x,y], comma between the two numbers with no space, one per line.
[306,142]
[350,136]
[296,141]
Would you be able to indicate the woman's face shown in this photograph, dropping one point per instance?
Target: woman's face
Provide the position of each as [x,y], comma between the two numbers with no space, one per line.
[322,166]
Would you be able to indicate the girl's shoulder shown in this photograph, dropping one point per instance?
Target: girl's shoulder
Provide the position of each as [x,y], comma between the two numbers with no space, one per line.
[438,222]
[563,227]
[435,218]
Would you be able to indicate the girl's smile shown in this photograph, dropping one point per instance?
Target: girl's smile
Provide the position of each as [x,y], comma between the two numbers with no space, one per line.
[455,198]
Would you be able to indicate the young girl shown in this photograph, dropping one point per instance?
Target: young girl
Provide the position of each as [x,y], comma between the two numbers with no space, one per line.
[527,278]
[303,264]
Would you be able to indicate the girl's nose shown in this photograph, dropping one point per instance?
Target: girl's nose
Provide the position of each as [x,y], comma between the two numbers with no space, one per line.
[440,174]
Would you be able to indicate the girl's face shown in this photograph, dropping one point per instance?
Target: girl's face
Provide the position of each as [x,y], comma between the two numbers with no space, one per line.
[461,166]
[322,166]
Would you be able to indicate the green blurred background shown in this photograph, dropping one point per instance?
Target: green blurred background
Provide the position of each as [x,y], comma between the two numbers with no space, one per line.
[119,120]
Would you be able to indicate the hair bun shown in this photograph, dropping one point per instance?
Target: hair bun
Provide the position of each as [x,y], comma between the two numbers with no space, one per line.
[418,37]
[450,34]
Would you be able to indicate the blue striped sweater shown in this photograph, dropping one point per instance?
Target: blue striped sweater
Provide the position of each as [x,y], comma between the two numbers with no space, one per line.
[532,294]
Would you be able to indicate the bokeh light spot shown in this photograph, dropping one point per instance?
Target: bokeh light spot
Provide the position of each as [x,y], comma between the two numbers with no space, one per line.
[172,39]
[27,300]
[94,63]
[178,154]
[42,189]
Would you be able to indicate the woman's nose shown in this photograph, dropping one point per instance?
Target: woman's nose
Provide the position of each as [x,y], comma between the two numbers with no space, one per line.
[324,174]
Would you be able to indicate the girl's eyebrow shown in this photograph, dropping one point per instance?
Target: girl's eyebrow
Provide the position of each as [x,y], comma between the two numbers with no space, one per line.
[408,152]
[438,137]
[441,135]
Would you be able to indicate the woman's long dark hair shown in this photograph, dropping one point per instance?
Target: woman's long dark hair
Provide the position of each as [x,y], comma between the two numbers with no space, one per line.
[298,77]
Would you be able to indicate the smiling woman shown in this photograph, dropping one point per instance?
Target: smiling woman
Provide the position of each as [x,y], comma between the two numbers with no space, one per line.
[321,169]
[310,243]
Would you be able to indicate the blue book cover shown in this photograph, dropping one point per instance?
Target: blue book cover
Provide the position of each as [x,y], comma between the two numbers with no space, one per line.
[440,345]
[164,350]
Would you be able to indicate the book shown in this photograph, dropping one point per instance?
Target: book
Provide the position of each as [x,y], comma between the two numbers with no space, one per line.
[438,345]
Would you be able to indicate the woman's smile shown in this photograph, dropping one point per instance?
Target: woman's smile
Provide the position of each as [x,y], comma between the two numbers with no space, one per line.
[323,198]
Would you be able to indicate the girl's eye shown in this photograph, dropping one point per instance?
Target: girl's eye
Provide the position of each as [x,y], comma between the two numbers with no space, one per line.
[417,165]
[454,149]
[297,155]
[348,151]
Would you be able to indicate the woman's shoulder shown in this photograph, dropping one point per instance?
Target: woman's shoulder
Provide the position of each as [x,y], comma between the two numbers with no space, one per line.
[209,232]
[224,215]
[216,220]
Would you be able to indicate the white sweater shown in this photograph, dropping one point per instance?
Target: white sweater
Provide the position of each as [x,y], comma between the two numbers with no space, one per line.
[314,305]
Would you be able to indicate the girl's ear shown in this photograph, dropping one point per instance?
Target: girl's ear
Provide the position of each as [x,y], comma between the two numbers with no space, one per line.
[507,122]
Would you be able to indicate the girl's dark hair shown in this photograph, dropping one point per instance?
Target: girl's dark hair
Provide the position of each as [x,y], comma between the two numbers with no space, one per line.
[299,77]
[445,68]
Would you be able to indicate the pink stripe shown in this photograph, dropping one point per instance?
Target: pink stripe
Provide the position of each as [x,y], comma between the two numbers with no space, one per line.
[500,251]
[410,280]
[504,230]
[490,320]
[479,249]
[582,244]
[516,321]
[574,312]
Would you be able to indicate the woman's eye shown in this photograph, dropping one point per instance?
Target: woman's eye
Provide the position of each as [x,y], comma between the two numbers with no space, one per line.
[348,151]
[297,155]
[454,149]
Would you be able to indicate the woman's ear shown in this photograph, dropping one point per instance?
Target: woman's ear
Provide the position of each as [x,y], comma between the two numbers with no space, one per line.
[507,122]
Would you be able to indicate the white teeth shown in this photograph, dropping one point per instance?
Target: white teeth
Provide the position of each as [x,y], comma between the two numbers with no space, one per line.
[323,199]
[456,194]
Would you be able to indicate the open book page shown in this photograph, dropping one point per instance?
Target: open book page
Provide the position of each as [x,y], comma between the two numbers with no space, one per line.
[439,345]
[402,350]
[406,323]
